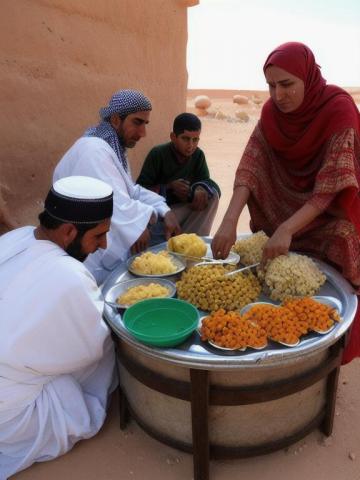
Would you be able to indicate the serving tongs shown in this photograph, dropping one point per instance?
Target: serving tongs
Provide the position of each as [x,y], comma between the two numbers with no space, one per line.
[205,260]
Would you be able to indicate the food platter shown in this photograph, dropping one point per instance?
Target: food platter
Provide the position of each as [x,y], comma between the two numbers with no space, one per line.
[250,305]
[213,344]
[179,264]
[120,288]
[253,304]
[330,302]
[225,349]
[197,353]
[220,347]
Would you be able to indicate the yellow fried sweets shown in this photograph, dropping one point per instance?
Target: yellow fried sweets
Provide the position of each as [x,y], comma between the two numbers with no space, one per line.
[230,330]
[251,248]
[188,244]
[150,263]
[207,288]
[291,275]
[142,292]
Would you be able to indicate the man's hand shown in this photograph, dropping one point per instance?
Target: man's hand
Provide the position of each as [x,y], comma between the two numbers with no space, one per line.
[181,188]
[200,200]
[171,225]
[152,219]
[141,243]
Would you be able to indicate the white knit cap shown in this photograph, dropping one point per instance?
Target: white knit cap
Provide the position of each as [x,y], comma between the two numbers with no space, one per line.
[80,199]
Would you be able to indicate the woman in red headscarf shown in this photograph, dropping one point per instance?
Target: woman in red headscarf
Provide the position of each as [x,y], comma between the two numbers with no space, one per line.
[300,171]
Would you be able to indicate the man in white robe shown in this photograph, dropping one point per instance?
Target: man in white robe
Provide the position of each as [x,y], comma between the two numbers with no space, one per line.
[101,153]
[56,353]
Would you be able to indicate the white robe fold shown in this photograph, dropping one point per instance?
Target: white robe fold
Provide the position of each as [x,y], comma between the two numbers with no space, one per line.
[133,204]
[56,354]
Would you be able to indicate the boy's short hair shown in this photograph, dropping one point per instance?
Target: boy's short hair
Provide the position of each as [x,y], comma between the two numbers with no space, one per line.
[186,121]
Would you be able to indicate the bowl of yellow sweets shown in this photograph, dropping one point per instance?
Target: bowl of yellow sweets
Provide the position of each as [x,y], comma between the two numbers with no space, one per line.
[155,264]
[127,293]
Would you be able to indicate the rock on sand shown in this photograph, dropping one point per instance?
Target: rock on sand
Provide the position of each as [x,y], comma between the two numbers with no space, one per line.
[202,101]
[240,99]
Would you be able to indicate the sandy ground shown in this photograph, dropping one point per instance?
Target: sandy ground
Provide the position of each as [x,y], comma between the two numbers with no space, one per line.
[114,454]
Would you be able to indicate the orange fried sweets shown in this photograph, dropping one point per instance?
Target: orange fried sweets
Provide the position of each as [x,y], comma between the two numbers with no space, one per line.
[319,317]
[279,323]
[230,330]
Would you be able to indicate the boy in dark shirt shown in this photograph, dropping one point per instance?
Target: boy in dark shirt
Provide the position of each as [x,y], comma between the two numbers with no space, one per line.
[178,171]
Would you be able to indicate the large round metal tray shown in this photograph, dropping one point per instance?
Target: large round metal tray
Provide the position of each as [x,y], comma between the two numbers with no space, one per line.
[197,354]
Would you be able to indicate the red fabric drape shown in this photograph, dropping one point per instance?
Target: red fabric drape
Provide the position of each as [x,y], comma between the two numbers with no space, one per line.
[297,138]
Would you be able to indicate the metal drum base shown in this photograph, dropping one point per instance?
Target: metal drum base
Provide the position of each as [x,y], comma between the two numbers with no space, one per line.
[229,414]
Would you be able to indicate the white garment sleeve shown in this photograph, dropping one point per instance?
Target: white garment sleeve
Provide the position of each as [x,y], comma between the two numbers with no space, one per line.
[133,205]
[153,199]
[79,339]
[58,318]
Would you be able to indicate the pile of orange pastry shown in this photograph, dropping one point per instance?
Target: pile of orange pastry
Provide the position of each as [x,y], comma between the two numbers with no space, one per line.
[231,330]
[284,324]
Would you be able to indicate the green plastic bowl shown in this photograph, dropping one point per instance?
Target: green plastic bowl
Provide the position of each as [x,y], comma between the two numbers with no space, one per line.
[161,322]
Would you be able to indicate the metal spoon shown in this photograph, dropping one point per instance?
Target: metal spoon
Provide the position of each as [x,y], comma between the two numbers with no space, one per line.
[206,260]
[228,274]
[194,257]
[214,262]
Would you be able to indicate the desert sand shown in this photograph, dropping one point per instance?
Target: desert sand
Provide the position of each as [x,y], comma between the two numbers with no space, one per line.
[131,454]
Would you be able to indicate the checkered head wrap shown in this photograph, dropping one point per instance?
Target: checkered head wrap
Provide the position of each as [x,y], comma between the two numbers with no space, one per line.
[123,103]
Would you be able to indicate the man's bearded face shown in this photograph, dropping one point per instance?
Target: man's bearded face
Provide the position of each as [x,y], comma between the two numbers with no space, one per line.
[132,128]
[75,249]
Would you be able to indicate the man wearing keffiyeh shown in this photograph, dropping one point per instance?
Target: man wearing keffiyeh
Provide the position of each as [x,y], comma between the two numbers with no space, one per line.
[115,127]
[101,153]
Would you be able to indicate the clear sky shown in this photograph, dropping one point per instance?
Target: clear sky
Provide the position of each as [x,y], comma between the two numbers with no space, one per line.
[229,40]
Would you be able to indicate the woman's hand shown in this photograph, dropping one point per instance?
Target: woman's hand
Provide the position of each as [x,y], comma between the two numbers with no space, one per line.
[224,239]
[278,244]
